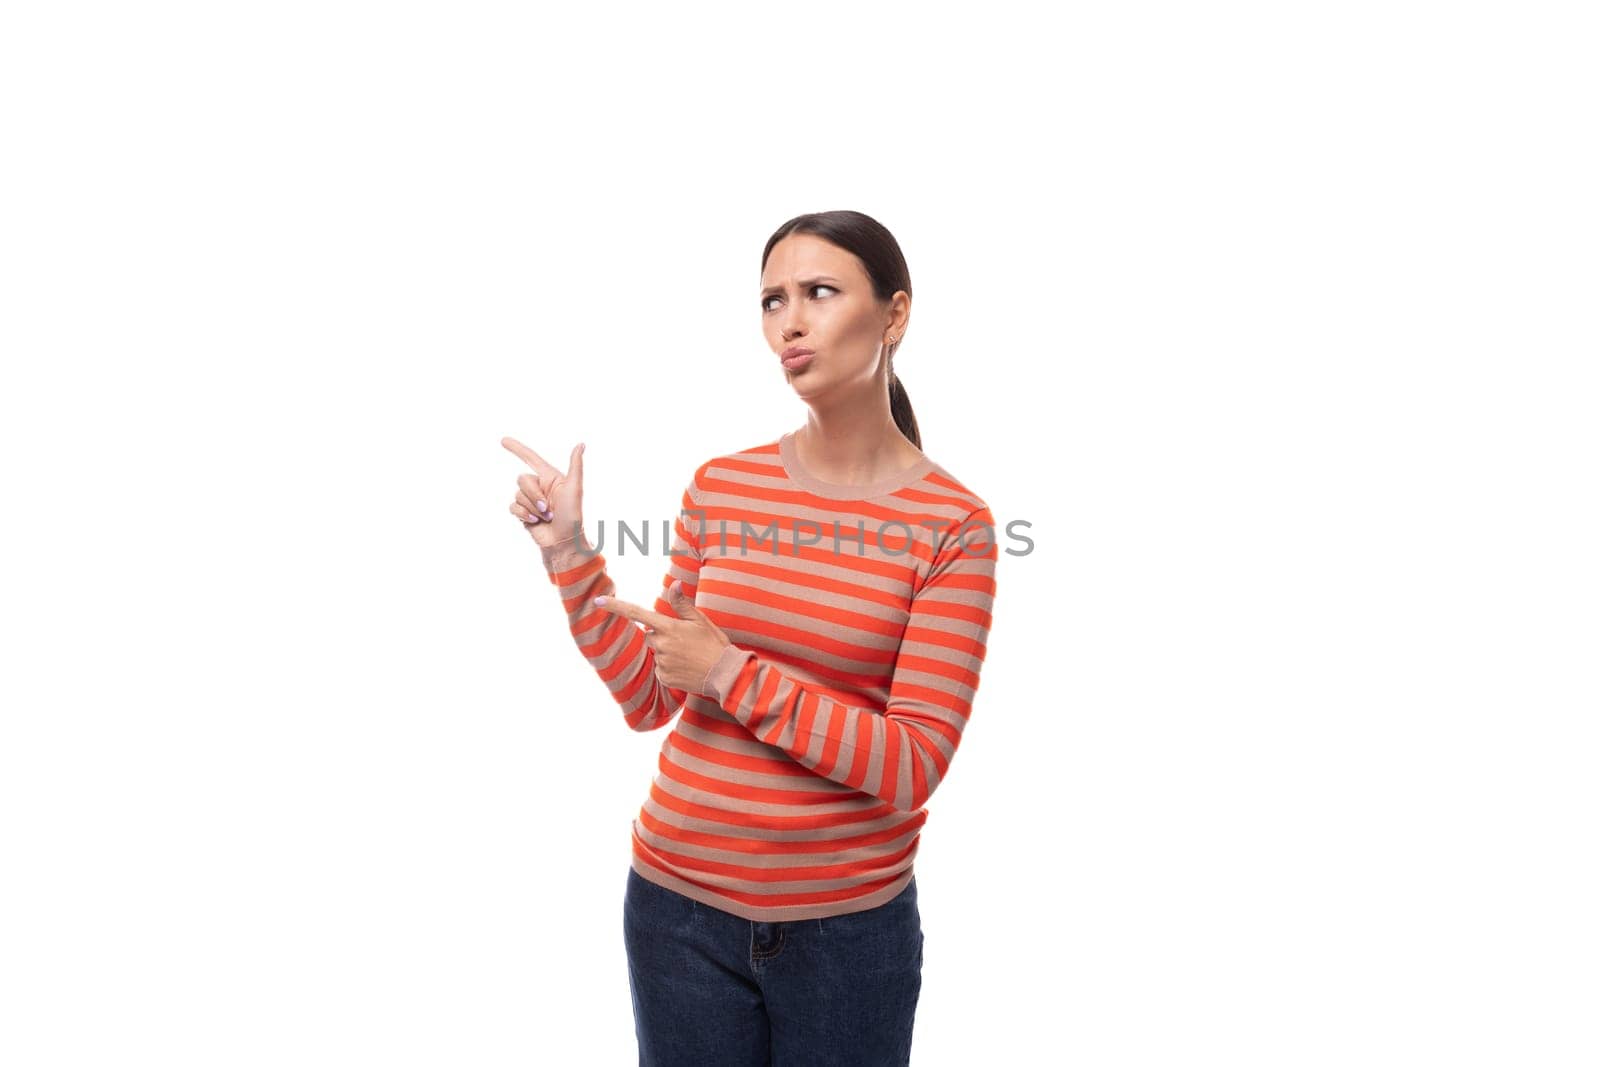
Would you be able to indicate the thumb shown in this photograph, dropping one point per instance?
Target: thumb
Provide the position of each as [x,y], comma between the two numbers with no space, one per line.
[575,464]
[678,597]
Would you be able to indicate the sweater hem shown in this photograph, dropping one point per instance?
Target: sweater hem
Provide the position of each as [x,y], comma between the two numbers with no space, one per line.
[741,910]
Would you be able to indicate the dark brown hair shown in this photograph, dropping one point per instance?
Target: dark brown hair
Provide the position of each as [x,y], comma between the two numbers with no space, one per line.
[870,242]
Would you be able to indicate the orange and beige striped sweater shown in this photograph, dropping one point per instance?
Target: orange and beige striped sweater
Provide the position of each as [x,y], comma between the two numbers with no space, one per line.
[792,785]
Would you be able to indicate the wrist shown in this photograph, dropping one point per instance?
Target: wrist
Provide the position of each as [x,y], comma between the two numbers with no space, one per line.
[724,672]
[567,553]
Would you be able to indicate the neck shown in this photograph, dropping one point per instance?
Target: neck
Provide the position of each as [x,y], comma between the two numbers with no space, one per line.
[862,445]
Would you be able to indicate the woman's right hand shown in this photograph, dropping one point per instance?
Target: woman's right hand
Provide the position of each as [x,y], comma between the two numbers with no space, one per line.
[549,503]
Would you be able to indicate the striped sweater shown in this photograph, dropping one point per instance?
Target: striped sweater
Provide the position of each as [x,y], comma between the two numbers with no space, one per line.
[792,785]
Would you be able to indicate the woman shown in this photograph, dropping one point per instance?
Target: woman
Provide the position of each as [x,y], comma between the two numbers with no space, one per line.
[822,623]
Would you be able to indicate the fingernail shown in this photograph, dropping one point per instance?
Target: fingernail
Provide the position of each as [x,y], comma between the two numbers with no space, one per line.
[541,505]
[600,600]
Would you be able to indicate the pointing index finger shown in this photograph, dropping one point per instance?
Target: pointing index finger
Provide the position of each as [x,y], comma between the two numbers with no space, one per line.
[528,456]
[653,619]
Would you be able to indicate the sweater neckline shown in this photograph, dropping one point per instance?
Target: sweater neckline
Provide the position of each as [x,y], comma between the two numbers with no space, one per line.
[801,476]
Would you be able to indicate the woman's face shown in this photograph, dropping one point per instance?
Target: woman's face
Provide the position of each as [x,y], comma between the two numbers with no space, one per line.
[816,295]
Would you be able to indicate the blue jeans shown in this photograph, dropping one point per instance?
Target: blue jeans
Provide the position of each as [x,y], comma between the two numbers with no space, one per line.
[711,989]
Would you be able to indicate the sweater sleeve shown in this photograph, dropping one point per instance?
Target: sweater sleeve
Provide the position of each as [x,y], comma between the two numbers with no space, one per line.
[902,753]
[613,645]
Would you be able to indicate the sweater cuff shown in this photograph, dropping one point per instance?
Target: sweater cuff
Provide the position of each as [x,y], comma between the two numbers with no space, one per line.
[565,555]
[724,672]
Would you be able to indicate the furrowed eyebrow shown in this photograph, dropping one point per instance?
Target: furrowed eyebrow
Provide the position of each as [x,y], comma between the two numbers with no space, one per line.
[805,283]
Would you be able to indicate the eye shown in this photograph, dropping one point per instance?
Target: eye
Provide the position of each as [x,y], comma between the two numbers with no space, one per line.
[820,285]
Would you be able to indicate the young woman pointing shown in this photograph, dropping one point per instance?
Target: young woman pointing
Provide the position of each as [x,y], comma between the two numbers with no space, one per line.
[821,626]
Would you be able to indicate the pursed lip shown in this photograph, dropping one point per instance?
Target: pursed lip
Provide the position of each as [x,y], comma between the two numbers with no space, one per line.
[794,350]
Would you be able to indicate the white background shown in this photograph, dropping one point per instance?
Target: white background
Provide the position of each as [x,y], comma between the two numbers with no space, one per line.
[1276,322]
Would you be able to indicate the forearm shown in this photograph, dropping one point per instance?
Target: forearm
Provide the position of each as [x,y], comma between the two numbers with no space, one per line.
[898,755]
[612,645]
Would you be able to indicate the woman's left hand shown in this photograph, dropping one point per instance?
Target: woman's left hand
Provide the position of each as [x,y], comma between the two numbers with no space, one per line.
[686,646]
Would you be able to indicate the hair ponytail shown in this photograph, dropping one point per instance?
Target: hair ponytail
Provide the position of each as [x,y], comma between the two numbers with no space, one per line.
[900,408]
